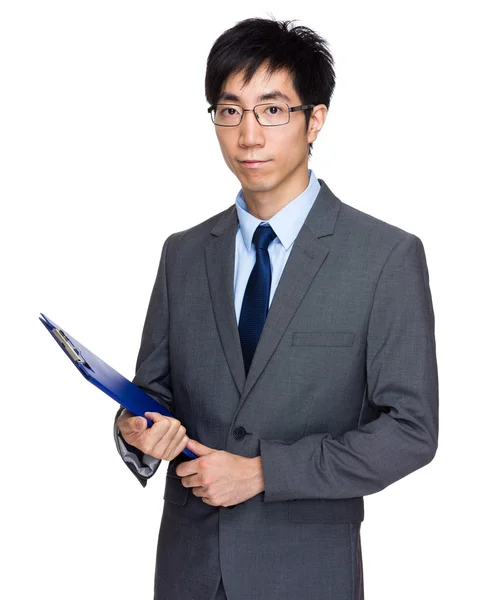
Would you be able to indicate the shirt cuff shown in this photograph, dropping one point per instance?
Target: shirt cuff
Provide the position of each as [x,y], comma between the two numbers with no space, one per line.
[143,464]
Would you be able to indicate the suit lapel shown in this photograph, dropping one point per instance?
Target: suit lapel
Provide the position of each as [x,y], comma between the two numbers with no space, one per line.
[220,254]
[306,258]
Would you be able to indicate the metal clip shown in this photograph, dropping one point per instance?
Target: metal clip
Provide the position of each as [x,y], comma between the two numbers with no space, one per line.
[72,351]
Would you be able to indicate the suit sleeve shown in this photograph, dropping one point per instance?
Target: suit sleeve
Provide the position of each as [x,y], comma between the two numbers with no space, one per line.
[401,385]
[152,370]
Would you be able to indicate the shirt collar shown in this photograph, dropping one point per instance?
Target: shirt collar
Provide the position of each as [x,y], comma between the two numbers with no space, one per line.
[287,222]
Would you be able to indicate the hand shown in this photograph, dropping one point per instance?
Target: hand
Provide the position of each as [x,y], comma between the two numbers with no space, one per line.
[165,440]
[219,478]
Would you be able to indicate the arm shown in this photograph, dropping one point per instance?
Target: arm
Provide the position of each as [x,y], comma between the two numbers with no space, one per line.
[152,370]
[402,384]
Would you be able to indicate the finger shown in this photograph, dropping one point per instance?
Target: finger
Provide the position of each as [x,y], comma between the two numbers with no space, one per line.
[124,415]
[178,444]
[170,445]
[182,444]
[199,491]
[200,449]
[155,417]
[160,425]
[133,425]
[157,438]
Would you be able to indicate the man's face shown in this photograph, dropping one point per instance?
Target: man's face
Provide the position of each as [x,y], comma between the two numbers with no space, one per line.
[282,149]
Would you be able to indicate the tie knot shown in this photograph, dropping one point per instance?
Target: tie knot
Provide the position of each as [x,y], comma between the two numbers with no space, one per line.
[263,236]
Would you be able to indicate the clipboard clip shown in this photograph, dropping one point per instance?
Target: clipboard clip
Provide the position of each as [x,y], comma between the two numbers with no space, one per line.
[74,353]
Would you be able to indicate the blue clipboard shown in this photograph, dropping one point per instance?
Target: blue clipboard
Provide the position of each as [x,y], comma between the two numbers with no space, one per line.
[106,378]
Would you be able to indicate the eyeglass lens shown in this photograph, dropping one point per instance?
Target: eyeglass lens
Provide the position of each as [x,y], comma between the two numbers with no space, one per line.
[268,114]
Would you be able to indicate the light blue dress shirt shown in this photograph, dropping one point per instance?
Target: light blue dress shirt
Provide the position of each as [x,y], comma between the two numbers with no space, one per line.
[286,223]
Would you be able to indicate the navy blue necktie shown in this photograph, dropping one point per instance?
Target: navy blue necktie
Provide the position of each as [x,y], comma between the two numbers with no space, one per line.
[256,297]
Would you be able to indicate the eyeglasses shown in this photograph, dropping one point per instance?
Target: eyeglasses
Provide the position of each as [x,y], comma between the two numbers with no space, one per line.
[267,115]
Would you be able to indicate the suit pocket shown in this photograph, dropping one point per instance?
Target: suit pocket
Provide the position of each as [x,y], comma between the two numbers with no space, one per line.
[322,338]
[174,491]
[344,510]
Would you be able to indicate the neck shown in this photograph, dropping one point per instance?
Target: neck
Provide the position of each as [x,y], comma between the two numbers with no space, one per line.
[264,204]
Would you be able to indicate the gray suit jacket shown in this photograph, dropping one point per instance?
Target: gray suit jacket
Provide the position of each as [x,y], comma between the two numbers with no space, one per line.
[341,399]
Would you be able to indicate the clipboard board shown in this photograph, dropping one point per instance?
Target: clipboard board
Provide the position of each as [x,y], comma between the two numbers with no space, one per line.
[104,377]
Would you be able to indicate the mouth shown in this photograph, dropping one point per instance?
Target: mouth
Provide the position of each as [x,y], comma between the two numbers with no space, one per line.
[253,163]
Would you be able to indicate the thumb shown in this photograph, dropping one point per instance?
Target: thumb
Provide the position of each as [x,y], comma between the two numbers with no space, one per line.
[198,448]
[140,424]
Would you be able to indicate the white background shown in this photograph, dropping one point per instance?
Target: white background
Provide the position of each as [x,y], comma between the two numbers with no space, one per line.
[96,171]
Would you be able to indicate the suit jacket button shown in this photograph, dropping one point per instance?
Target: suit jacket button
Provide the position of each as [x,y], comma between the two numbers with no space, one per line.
[239,433]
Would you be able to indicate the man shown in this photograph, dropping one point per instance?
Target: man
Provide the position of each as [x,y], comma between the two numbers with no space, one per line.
[296,412]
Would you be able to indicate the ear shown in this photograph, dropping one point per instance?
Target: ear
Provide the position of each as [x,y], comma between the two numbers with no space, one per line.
[317,120]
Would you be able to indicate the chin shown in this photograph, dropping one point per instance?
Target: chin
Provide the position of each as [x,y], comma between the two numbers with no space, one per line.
[258,186]
[258,182]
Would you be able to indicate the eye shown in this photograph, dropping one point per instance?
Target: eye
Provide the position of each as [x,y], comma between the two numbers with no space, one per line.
[232,110]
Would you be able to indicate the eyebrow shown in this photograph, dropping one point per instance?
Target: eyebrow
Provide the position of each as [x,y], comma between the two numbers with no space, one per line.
[274,95]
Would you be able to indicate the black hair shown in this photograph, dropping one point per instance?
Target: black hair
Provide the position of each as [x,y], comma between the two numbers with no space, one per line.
[252,42]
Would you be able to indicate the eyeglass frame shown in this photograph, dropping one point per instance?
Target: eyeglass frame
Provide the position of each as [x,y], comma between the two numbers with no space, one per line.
[290,110]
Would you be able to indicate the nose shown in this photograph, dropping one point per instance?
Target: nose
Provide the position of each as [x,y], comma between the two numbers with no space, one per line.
[250,131]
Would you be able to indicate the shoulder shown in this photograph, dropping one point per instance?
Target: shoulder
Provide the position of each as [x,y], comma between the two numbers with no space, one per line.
[367,231]
[203,229]
[350,230]
[194,238]
[366,243]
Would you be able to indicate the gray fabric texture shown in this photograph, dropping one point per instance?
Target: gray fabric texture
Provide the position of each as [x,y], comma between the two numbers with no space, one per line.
[341,400]
[143,465]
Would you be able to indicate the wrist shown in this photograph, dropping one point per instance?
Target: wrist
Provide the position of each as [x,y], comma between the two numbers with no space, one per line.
[258,474]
